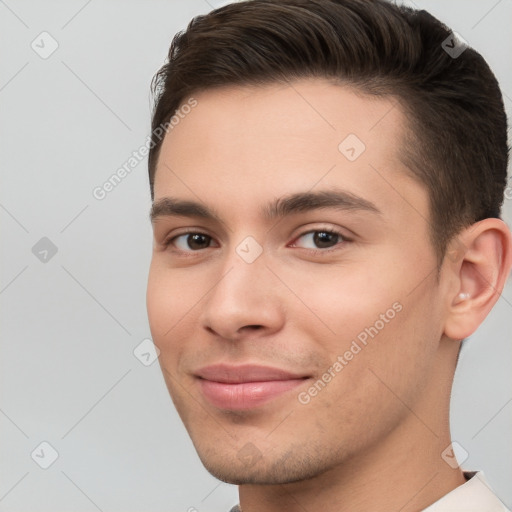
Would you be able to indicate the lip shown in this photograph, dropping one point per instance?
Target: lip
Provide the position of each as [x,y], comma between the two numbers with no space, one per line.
[246,386]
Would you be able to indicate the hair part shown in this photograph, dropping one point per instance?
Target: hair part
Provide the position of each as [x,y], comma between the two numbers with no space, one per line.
[456,141]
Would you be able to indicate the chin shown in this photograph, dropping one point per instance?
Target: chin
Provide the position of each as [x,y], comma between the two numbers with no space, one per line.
[250,467]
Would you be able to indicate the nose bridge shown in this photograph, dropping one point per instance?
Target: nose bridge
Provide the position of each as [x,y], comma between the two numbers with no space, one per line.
[243,294]
[244,274]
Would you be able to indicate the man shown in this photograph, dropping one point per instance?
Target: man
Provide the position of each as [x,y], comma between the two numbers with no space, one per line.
[327,179]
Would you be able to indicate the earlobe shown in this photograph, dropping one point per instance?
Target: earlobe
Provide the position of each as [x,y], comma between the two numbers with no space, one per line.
[481,272]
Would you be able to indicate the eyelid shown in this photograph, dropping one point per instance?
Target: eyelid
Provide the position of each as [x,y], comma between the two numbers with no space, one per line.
[345,233]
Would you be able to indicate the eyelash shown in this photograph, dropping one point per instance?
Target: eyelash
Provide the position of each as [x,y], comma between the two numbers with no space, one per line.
[344,240]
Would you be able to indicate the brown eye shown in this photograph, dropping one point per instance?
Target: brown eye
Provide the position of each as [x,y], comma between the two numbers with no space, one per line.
[324,239]
[319,239]
[192,241]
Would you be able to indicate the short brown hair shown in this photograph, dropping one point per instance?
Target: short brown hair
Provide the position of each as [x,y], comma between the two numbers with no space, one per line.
[457,142]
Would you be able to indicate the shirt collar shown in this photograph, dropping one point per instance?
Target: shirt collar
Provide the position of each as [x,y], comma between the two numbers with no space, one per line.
[475,495]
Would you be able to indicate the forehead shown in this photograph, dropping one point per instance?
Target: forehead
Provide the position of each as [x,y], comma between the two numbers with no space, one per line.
[249,142]
[321,101]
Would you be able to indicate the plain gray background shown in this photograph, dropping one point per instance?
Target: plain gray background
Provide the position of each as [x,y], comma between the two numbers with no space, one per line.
[70,324]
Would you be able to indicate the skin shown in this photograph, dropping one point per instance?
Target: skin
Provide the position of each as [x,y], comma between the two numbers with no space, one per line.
[372,438]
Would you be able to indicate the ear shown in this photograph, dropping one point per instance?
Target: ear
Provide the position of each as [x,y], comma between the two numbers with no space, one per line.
[479,260]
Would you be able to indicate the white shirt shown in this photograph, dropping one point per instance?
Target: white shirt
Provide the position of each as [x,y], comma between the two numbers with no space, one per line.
[474,496]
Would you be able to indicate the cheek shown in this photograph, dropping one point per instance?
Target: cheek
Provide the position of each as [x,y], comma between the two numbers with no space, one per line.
[170,303]
[346,303]
[160,304]
[370,318]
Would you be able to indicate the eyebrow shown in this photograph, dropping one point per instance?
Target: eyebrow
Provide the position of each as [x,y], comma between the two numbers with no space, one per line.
[279,208]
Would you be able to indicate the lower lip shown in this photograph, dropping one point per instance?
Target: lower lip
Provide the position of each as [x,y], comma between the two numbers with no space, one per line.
[245,395]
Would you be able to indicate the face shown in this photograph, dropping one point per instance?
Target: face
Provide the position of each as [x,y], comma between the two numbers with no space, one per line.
[291,272]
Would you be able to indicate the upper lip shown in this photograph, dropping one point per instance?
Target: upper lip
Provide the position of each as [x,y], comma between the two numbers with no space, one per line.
[245,373]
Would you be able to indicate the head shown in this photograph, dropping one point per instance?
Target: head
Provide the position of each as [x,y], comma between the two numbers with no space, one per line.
[327,180]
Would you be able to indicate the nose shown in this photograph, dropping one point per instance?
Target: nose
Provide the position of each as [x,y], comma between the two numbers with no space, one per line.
[245,302]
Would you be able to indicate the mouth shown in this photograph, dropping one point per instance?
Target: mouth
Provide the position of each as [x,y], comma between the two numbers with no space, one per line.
[245,387]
